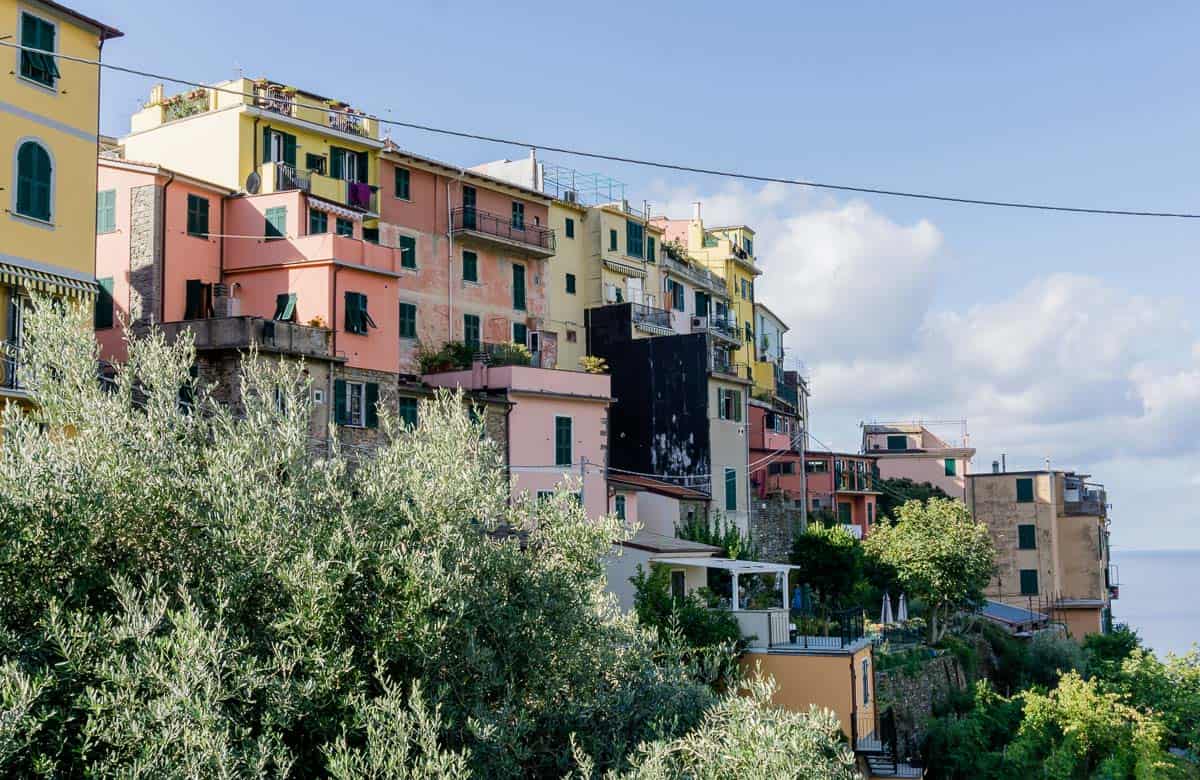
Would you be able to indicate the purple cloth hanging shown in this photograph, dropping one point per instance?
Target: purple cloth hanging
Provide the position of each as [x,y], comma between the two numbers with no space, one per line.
[359,194]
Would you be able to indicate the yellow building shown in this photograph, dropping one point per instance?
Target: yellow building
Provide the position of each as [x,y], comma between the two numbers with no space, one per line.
[262,136]
[565,292]
[48,136]
[1050,529]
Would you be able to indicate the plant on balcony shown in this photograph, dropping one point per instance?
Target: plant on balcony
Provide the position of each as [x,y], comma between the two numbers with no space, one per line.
[451,356]
[593,365]
[317,322]
[675,250]
[510,354]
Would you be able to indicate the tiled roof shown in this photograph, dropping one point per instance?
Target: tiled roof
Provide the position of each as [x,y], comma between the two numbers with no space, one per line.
[658,486]
[658,543]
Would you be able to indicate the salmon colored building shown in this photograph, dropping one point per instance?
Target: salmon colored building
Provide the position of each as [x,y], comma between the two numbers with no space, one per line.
[844,484]
[776,453]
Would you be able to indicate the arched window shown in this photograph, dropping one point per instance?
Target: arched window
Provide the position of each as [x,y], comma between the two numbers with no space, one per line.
[35,177]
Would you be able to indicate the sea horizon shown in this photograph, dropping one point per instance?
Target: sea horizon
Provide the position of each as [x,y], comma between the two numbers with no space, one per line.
[1150,583]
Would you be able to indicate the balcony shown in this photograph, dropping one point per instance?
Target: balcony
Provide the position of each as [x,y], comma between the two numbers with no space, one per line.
[534,240]
[699,277]
[287,338]
[281,177]
[288,102]
[1083,498]
[650,319]
[722,328]
[722,365]
[314,247]
[10,381]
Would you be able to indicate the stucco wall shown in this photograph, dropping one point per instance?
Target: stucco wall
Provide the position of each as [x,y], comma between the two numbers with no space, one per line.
[992,500]
[828,681]
[931,469]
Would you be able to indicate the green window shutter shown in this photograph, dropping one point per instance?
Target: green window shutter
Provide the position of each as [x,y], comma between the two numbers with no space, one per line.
[845,515]
[403,184]
[345,227]
[289,149]
[518,215]
[38,34]
[371,413]
[571,283]
[104,303]
[470,268]
[1029,582]
[471,330]
[701,304]
[285,307]
[570,228]
[737,404]
[563,456]
[1027,537]
[951,467]
[408,252]
[408,321]
[650,251]
[634,239]
[619,501]
[276,222]
[339,401]
[353,322]
[722,409]
[612,240]
[364,160]
[897,442]
[730,490]
[194,299]
[408,412]
[520,333]
[34,173]
[1025,490]
[518,286]
[106,211]
[266,143]
[197,216]
[337,162]
[318,222]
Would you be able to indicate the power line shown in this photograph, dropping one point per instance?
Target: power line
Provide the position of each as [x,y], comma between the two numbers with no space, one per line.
[638,161]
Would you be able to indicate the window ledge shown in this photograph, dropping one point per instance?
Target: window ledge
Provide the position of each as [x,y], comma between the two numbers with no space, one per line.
[404,269]
[34,221]
[51,89]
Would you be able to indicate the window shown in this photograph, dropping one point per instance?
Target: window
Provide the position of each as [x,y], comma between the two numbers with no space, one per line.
[619,503]
[471,330]
[678,585]
[748,245]
[104,303]
[729,404]
[951,467]
[279,147]
[845,513]
[635,238]
[356,403]
[518,286]
[198,300]
[347,165]
[730,490]
[866,663]
[106,211]
[870,514]
[1026,537]
[701,304]
[315,162]
[357,317]
[38,33]
[518,215]
[408,321]
[572,337]
[1025,490]
[276,222]
[35,181]
[570,284]
[570,228]
[650,248]
[520,333]
[563,456]
[197,216]
[1029,582]
[612,240]
[816,466]
[749,334]
[408,251]
[318,222]
[897,442]
[371,236]
[285,307]
[403,184]
[676,291]
[408,412]
[344,227]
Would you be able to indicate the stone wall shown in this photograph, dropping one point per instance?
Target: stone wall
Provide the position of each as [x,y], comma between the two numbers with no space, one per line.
[774,522]
[912,696]
[145,256]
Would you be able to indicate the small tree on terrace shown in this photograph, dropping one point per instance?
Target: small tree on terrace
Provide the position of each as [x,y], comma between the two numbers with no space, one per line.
[830,561]
[939,553]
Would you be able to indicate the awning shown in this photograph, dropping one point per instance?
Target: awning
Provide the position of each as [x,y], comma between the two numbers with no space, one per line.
[732,566]
[627,269]
[334,209]
[44,281]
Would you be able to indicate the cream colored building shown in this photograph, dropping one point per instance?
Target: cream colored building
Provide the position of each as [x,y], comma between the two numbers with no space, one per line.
[1051,532]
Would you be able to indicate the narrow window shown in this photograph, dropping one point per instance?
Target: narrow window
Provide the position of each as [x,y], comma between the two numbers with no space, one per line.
[408,412]
[866,664]
[570,284]
[355,403]
[619,502]
[572,337]
[470,268]
[731,490]
[358,319]
[650,257]
[634,239]
[951,467]
[471,330]
[104,303]
[37,33]
[408,321]
[845,513]
[285,307]
[518,286]
[318,222]
[1026,537]
[408,252]
[344,227]
[1025,490]
[35,178]
[612,240]
[520,333]
[198,300]
[1029,582]
[678,585]
[563,455]
[518,215]
[106,211]
[276,222]
[403,184]
[570,228]
[197,216]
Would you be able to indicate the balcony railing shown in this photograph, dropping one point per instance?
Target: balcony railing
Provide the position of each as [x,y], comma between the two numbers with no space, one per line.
[354,124]
[730,368]
[1080,498]
[275,99]
[289,178]
[9,363]
[641,314]
[482,222]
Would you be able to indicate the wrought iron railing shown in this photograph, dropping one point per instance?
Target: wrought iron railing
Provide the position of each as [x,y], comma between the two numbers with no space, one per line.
[10,354]
[468,218]
[348,123]
[726,326]
[287,177]
[643,314]
[275,99]
[730,368]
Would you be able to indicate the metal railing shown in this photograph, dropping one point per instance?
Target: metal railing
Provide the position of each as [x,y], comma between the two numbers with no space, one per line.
[10,353]
[287,177]
[468,218]
[347,123]
[730,368]
[1091,500]
[642,314]
[275,99]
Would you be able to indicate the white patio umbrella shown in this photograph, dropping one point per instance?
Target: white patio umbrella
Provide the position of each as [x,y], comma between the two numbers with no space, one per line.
[902,610]
[885,617]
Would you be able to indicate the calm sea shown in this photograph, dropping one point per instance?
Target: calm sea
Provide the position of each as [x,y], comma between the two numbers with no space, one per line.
[1160,597]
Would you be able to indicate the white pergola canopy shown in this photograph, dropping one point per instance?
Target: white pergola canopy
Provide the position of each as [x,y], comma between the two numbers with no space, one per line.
[728,564]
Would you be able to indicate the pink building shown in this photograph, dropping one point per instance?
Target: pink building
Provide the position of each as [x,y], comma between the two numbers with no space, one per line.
[480,248]
[844,484]
[776,439]
[559,425]
[912,451]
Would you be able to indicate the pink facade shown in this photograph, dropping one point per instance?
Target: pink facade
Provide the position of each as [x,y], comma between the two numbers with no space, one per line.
[912,451]
[540,399]
[441,287]
[844,484]
[772,448]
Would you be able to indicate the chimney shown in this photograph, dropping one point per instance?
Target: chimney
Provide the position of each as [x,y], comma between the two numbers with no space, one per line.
[696,211]
[1003,463]
[995,467]
[156,95]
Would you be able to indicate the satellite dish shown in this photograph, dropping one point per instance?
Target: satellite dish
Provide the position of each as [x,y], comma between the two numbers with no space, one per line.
[253,183]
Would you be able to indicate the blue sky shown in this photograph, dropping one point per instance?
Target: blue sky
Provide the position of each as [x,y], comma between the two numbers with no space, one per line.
[1055,335]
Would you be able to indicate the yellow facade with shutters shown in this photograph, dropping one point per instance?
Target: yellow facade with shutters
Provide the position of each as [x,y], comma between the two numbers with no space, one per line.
[729,253]
[49,123]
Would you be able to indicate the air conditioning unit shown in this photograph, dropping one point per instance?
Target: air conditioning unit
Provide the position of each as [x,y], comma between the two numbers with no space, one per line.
[610,293]
[570,196]
[699,323]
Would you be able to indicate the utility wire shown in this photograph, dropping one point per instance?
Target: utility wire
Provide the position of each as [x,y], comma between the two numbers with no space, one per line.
[637,161]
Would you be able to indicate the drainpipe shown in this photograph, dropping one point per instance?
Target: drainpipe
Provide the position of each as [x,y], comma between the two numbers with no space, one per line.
[162,254]
[255,161]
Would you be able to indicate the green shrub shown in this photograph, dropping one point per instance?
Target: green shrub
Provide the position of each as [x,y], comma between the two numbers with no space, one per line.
[1051,655]
[510,354]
